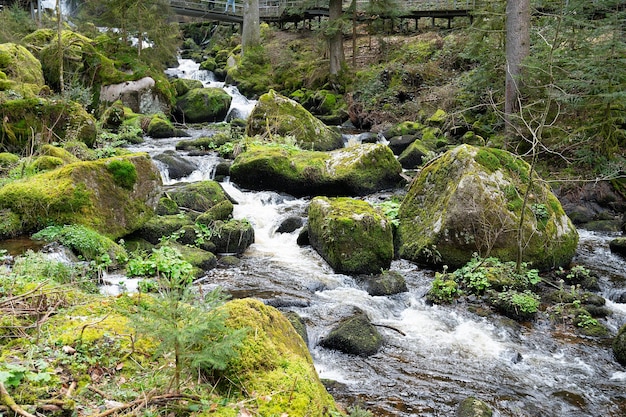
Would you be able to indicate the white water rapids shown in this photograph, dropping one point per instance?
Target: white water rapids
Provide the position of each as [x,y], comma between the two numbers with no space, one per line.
[446,353]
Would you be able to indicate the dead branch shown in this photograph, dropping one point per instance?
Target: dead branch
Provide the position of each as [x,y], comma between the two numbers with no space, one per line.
[5,398]
[146,401]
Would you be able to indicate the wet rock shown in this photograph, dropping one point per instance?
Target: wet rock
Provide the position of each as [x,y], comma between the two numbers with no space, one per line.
[398,144]
[619,346]
[618,245]
[233,236]
[166,206]
[473,407]
[177,166]
[413,155]
[386,283]
[303,237]
[290,224]
[355,335]
[469,201]
[352,236]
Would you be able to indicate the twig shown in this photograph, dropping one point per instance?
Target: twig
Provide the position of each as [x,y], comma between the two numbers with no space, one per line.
[145,401]
[389,327]
[5,398]
[99,392]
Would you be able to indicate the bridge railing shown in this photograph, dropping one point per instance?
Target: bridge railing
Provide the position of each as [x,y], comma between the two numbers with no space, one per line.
[277,8]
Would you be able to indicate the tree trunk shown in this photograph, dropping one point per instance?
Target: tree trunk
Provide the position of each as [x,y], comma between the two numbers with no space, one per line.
[517,49]
[335,39]
[60,44]
[251,32]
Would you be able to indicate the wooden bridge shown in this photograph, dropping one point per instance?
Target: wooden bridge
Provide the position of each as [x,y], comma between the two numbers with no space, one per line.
[282,11]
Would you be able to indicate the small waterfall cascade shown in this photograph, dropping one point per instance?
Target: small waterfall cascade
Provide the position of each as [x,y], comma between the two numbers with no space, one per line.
[240,106]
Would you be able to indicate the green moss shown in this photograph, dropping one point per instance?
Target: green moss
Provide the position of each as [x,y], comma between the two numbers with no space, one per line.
[84,193]
[351,235]
[46,163]
[274,361]
[7,159]
[356,170]
[20,65]
[124,173]
[199,196]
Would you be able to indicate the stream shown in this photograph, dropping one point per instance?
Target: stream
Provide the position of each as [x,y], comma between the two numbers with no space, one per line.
[438,355]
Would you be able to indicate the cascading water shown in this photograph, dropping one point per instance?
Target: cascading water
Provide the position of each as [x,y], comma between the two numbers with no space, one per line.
[437,355]
[445,352]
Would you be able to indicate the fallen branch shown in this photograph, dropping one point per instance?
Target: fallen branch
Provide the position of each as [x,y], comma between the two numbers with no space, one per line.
[5,398]
[146,401]
[389,327]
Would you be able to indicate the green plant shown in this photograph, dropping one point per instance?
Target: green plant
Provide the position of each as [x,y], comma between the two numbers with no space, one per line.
[517,305]
[11,375]
[585,320]
[189,326]
[124,173]
[442,290]
[390,210]
[540,211]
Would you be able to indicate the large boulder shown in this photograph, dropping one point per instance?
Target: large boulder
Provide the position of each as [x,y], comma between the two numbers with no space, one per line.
[278,115]
[55,120]
[232,236]
[470,201]
[356,170]
[201,105]
[138,95]
[274,363]
[351,235]
[20,71]
[113,196]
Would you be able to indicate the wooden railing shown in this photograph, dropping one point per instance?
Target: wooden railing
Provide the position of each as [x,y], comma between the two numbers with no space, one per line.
[278,8]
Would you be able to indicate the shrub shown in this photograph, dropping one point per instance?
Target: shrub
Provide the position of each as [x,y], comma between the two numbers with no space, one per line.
[517,305]
[442,290]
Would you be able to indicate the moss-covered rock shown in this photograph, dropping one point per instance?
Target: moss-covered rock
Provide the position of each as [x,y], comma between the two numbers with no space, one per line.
[166,206]
[385,283]
[275,363]
[46,163]
[161,226]
[23,117]
[470,201]
[618,245]
[183,85]
[619,346]
[63,154]
[8,159]
[73,44]
[159,127]
[473,407]
[87,193]
[140,95]
[201,259]
[232,236]
[278,115]
[220,211]
[355,335]
[413,155]
[200,105]
[20,65]
[356,170]
[199,196]
[351,235]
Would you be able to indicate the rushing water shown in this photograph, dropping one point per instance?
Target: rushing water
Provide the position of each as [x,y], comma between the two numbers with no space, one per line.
[439,354]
